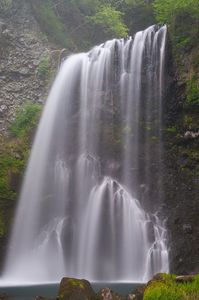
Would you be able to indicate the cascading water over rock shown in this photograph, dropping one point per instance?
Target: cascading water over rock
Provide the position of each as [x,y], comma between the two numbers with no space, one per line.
[94,162]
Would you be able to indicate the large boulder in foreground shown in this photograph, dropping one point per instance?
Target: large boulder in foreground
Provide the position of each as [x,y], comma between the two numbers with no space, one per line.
[75,289]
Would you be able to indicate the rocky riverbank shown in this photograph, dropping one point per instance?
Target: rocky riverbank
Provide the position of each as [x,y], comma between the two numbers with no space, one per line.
[161,287]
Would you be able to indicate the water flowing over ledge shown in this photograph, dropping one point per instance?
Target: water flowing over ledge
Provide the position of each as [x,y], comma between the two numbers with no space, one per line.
[79,213]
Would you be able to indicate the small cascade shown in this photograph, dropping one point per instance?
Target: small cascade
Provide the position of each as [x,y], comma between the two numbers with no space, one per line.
[87,204]
[117,229]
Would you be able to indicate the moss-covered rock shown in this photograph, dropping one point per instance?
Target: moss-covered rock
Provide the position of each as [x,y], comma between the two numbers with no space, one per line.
[168,287]
[75,289]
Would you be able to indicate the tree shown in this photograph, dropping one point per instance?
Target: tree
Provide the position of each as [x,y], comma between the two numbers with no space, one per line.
[110,20]
[167,10]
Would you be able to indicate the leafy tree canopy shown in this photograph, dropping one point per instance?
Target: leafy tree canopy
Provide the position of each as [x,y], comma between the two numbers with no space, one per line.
[166,10]
[110,20]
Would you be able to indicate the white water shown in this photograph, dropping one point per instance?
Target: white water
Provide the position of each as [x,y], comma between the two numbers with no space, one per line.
[80,212]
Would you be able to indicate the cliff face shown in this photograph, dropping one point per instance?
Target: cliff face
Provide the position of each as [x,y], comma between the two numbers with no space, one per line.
[28,60]
[182,154]
[28,63]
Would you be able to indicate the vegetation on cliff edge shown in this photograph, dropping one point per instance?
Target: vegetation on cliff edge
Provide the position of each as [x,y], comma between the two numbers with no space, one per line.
[14,152]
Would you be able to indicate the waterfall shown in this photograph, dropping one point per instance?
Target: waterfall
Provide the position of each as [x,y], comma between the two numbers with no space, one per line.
[95,170]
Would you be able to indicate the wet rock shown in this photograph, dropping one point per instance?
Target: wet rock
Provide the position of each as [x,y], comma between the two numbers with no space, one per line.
[24,71]
[108,294]
[131,297]
[3,297]
[139,293]
[75,289]
[2,27]
[156,277]
[3,107]
[187,228]
[44,298]
[184,278]
[191,135]
[41,298]
[63,55]
[6,33]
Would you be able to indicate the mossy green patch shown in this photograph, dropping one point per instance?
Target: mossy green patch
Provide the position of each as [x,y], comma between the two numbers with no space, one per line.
[44,67]
[26,119]
[76,282]
[14,152]
[169,289]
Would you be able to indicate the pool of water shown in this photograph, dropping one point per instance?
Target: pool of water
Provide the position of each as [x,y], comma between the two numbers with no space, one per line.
[29,292]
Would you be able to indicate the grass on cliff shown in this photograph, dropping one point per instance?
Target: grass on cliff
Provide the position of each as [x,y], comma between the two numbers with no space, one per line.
[169,289]
[14,152]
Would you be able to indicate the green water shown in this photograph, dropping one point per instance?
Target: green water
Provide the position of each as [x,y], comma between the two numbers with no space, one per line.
[51,290]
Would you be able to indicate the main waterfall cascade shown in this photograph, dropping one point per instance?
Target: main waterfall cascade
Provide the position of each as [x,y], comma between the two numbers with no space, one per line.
[94,160]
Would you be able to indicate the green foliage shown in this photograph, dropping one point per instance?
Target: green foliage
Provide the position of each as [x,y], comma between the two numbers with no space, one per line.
[162,292]
[168,289]
[183,18]
[166,10]
[171,129]
[14,151]
[193,91]
[26,119]
[44,68]
[110,20]
[188,120]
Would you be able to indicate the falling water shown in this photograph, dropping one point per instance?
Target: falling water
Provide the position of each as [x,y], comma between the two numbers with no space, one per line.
[99,143]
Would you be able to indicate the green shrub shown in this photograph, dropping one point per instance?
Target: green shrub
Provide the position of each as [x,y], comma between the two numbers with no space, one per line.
[15,150]
[171,129]
[188,120]
[167,10]
[169,289]
[44,68]
[161,291]
[110,20]
[26,119]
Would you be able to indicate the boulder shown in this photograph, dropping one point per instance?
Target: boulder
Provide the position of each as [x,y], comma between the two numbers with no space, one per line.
[75,289]
[138,294]
[108,294]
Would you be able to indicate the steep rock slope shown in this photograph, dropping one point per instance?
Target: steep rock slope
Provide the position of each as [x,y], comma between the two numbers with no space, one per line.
[26,60]
[28,63]
[182,147]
